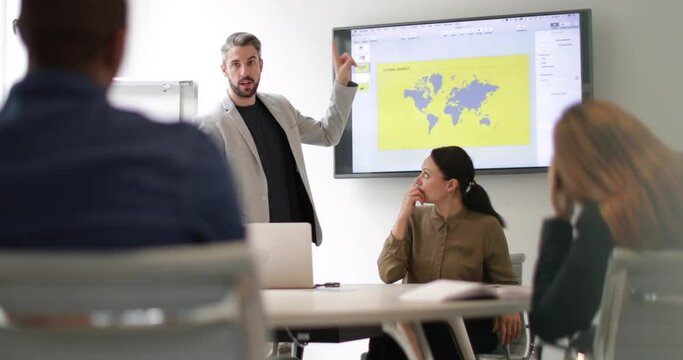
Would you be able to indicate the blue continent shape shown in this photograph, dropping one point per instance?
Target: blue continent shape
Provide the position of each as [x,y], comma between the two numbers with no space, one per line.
[433,120]
[454,112]
[469,97]
[422,95]
[437,82]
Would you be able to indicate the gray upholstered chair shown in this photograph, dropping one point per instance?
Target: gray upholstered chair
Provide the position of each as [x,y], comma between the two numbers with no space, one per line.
[522,347]
[641,314]
[189,302]
[641,311]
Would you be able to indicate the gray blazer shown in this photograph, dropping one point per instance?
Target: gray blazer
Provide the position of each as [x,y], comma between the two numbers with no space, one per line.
[228,130]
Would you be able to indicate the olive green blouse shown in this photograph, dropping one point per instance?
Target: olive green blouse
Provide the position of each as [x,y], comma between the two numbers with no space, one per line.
[468,246]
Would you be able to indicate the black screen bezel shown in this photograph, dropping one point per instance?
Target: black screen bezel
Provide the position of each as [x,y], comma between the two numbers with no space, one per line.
[343,156]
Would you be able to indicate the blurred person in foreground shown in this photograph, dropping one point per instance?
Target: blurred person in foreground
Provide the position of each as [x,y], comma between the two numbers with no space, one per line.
[76,173]
[629,187]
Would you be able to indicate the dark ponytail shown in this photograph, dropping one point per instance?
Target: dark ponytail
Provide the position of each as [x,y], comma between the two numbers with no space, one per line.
[477,199]
[454,163]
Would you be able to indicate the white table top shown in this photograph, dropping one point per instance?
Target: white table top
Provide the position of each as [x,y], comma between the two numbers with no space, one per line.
[369,304]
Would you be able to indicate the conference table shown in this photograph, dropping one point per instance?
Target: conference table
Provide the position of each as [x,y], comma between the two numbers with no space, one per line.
[378,305]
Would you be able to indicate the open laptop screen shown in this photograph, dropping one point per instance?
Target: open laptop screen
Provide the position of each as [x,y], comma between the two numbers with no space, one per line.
[282,253]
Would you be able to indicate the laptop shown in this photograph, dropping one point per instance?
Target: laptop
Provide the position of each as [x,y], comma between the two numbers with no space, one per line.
[282,253]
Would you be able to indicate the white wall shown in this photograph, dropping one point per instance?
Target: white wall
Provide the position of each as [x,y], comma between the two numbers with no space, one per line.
[13,56]
[3,29]
[637,63]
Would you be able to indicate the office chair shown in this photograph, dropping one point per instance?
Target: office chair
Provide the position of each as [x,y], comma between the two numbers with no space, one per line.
[522,347]
[641,315]
[189,302]
[641,311]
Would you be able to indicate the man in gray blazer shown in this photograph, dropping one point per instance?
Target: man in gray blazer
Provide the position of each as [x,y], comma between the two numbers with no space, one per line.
[261,135]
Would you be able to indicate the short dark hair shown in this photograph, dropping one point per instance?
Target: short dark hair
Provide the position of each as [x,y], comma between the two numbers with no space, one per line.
[69,33]
[240,39]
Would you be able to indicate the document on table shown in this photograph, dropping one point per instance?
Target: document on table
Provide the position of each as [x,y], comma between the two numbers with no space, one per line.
[445,290]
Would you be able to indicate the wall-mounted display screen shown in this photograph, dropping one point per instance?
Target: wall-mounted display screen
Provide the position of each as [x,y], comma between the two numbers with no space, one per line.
[493,85]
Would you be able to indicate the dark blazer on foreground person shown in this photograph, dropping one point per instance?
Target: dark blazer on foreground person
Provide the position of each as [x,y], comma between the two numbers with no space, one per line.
[570,274]
[75,173]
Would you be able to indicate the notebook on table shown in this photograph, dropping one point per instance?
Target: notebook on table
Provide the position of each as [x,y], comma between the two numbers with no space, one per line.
[446,290]
[282,253]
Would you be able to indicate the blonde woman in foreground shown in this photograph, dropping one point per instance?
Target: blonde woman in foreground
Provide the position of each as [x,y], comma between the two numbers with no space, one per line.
[628,184]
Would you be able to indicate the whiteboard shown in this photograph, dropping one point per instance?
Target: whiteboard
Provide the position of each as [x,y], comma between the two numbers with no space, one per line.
[162,101]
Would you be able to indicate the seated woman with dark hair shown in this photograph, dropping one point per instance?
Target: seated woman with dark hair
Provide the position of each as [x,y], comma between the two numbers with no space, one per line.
[460,237]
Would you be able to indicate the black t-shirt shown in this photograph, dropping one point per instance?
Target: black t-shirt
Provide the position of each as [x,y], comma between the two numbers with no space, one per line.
[287,195]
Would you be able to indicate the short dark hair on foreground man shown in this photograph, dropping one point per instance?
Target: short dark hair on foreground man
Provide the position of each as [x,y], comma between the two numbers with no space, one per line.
[69,33]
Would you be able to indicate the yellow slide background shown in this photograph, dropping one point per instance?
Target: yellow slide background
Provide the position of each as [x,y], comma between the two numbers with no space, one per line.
[402,126]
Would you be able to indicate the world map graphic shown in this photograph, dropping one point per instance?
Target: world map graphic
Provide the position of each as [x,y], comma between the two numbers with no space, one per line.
[469,97]
[478,101]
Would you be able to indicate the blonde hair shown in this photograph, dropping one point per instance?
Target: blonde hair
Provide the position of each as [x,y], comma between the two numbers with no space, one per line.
[615,161]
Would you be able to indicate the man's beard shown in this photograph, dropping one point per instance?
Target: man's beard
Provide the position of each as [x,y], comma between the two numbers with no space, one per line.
[244,94]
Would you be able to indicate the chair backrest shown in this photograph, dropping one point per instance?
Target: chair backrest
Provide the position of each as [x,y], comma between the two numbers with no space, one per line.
[184,302]
[521,347]
[517,261]
[641,314]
